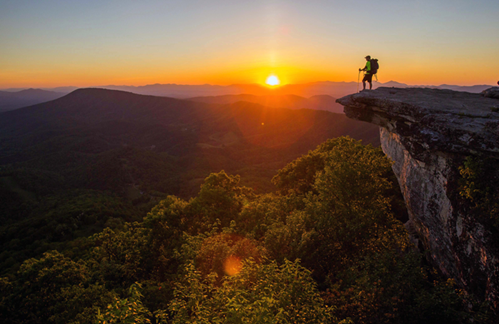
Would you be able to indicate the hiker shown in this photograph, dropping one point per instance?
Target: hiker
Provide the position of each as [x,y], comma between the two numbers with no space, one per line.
[368,76]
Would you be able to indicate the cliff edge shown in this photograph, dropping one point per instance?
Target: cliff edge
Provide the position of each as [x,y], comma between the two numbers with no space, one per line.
[429,133]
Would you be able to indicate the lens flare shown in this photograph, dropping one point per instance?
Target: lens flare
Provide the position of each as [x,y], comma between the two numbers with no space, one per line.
[232,265]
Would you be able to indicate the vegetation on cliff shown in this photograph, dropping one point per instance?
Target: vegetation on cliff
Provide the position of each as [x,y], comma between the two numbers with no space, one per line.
[479,188]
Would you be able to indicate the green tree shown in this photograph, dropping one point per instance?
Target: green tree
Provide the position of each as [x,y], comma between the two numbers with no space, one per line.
[346,213]
[128,310]
[220,198]
[299,175]
[351,211]
[121,255]
[260,214]
[220,251]
[260,293]
[52,289]
[478,186]
[393,287]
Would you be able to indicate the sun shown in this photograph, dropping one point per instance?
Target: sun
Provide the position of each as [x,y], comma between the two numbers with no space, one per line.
[272,80]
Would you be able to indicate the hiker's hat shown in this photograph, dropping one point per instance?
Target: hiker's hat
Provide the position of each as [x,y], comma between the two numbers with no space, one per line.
[368,56]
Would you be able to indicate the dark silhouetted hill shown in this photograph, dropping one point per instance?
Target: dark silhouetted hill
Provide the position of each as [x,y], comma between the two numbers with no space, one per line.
[323,102]
[24,98]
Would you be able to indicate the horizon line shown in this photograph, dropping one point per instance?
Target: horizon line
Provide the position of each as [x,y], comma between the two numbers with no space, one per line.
[230,85]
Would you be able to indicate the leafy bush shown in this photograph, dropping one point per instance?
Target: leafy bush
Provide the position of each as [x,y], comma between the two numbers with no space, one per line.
[260,293]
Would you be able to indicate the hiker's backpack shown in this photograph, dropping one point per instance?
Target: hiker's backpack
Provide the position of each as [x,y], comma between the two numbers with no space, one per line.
[374,66]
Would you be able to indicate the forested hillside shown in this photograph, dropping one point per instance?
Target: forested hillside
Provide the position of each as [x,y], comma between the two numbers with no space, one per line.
[97,158]
[326,247]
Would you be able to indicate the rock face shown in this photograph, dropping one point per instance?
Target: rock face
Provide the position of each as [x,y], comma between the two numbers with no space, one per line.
[491,93]
[428,133]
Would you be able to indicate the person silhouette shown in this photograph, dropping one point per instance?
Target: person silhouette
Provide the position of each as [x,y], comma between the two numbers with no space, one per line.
[368,76]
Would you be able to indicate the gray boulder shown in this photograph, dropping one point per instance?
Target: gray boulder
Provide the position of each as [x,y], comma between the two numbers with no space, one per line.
[491,93]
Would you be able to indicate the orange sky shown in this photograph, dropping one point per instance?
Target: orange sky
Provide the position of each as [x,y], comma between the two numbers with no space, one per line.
[74,43]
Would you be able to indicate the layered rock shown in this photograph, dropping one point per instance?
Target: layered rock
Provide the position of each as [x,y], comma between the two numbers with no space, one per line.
[428,133]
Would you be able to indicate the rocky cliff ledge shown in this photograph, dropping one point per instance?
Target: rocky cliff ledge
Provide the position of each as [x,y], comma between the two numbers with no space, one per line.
[428,134]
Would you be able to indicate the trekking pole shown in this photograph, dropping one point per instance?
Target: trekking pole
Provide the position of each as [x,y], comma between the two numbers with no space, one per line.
[358,82]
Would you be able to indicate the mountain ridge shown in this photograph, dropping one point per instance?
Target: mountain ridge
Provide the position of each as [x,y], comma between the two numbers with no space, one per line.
[26,97]
[16,98]
[92,107]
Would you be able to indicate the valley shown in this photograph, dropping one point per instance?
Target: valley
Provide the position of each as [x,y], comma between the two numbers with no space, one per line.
[122,149]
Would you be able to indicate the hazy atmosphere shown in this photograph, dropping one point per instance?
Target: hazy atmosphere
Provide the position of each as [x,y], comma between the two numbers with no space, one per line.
[90,43]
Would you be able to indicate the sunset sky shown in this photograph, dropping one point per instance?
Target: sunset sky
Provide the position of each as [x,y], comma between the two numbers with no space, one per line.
[53,43]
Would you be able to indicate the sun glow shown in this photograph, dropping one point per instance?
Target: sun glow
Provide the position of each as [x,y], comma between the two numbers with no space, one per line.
[272,80]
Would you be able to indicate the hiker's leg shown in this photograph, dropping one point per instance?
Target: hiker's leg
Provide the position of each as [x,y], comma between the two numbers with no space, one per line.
[369,78]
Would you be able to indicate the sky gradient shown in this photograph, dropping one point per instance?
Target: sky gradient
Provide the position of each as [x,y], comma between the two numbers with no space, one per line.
[53,43]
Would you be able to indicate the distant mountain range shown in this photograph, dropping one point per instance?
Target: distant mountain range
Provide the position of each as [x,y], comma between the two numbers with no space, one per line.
[333,89]
[472,89]
[16,98]
[24,98]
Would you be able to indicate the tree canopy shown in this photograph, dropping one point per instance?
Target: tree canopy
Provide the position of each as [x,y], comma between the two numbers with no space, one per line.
[326,247]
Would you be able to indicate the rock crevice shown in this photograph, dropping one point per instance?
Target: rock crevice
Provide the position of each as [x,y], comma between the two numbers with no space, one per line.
[428,133]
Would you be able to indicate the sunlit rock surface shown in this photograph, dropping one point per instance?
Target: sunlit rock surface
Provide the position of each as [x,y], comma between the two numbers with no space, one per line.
[428,133]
